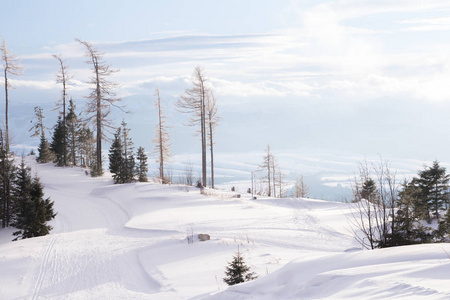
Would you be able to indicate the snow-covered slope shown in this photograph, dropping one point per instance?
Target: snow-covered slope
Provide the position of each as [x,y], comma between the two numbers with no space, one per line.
[130,242]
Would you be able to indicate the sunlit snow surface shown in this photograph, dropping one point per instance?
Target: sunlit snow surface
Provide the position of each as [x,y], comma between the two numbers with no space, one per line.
[129,242]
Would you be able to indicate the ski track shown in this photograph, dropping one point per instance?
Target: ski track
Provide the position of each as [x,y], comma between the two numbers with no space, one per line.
[75,262]
[43,268]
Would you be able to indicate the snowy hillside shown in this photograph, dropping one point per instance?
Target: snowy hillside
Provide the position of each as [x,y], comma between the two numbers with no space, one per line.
[130,242]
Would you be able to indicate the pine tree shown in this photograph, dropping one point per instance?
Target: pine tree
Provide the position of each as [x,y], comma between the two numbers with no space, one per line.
[142,168]
[57,144]
[31,210]
[237,271]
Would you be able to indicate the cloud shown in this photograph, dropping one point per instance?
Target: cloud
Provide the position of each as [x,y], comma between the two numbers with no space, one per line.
[428,24]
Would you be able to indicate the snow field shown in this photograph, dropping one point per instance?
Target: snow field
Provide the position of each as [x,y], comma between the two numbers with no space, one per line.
[130,242]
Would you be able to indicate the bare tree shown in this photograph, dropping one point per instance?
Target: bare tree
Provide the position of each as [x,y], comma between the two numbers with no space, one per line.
[38,127]
[274,166]
[212,119]
[301,190]
[267,165]
[101,99]
[11,66]
[374,205]
[162,146]
[280,182]
[187,177]
[193,101]
[63,77]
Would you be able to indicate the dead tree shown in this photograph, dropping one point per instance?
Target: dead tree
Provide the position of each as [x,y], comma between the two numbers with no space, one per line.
[301,189]
[162,146]
[101,98]
[11,66]
[63,77]
[267,165]
[193,101]
[212,119]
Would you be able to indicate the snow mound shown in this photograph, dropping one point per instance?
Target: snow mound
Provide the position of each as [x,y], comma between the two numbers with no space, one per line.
[410,272]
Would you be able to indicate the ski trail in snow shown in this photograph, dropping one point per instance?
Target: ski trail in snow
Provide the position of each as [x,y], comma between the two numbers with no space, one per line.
[309,225]
[43,268]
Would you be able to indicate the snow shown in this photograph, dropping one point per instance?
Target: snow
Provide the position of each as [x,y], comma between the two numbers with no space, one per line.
[130,242]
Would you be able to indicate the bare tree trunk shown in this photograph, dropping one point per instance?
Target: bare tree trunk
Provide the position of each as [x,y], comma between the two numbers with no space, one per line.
[212,153]
[11,66]
[194,101]
[6,113]
[213,120]
[63,77]
[160,137]
[204,143]
[102,97]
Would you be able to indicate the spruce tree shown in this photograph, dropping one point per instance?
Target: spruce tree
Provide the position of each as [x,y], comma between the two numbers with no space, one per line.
[38,129]
[45,154]
[31,210]
[7,173]
[115,157]
[86,148]
[433,183]
[237,271]
[57,144]
[142,168]
[368,190]
[72,133]
[128,170]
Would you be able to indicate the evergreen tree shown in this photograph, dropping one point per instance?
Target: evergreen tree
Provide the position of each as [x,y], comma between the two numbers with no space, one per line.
[368,190]
[142,168]
[38,129]
[57,145]
[7,173]
[408,229]
[115,157]
[31,210]
[433,184]
[72,133]
[86,146]
[45,154]
[443,232]
[128,169]
[237,271]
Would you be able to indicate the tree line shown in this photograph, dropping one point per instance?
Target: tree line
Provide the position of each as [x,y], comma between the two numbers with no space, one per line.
[389,213]
[77,141]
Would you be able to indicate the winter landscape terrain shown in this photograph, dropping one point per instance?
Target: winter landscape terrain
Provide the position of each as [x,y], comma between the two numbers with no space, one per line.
[130,242]
[327,84]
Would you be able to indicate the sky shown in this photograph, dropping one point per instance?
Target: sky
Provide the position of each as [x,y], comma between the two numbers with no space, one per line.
[345,76]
